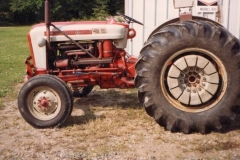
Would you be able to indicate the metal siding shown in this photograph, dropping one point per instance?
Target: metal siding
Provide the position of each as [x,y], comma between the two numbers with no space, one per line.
[234,18]
[172,12]
[155,12]
[149,17]
[161,14]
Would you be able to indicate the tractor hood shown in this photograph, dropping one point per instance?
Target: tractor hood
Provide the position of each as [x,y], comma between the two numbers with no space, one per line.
[86,30]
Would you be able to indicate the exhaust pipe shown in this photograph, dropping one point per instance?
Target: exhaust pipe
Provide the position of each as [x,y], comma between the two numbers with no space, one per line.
[47,22]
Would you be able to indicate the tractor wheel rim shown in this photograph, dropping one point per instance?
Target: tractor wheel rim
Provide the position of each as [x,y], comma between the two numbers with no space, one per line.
[44,103]
[196,80]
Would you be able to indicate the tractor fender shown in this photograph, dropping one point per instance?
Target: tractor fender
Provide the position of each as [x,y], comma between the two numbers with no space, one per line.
[195,18]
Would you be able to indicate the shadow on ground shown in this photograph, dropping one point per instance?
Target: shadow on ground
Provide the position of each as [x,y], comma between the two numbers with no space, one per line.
[83,110]
[85,107]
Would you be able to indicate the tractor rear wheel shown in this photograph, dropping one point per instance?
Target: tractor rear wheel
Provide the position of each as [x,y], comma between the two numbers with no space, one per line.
[45,101]
[188,77]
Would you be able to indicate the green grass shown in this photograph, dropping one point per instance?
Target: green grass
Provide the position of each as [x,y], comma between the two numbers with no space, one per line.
[13,52]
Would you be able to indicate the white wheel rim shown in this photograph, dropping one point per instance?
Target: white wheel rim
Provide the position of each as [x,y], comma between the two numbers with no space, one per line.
[44,103]
[192,81]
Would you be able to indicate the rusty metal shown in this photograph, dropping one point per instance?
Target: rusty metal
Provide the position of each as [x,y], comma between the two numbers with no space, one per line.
[184,17]
[39,71]
[62,63]
[73,41]
[47,13]
[209,104]
[83,75]
[29,66]
[44,103]
[128,82]
[100,50]
[107,48]
[75,53]
[63,46]
[82,61]
[87,63]
[48,23]
[85,70]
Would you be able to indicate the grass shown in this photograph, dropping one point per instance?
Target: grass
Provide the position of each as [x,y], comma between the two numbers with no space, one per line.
[13,52]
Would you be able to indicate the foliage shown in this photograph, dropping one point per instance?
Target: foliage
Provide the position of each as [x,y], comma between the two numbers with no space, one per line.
[100,9]
[26,11]
[29,12]
[4,12]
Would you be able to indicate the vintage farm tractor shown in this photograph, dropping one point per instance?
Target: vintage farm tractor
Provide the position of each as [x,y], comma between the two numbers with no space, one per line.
[187,73]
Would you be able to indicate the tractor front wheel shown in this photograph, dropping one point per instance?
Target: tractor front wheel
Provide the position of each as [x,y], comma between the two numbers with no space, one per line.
[45,101]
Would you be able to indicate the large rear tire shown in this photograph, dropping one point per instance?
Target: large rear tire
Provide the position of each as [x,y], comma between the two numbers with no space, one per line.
[45,101]
[188,77]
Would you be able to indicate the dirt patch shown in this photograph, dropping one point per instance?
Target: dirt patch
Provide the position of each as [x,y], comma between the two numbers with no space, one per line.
[108,124]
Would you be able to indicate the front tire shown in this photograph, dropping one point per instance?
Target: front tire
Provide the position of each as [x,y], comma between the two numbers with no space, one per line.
[188,77]
[45,101]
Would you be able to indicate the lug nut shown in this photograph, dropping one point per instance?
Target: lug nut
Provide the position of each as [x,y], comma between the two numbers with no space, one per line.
[183,87]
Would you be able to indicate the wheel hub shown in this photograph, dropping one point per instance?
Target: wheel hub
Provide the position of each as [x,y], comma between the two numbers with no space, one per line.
[45,102]
[193,80]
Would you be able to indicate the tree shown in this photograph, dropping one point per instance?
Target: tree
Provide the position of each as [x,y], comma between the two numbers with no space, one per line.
[116,6]
[101,9]
[63,10]
[29,11]
[5,13]
[104,8]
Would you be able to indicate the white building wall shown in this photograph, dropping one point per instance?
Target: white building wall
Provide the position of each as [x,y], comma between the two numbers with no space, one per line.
[153,13]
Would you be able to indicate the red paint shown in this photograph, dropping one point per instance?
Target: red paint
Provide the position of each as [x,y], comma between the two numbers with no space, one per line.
[62,63]
[104,77]
[131,36]
[69,32]
[113,21]
[107,48]
[116,73]
[31,48]
[100,50]
[44,102]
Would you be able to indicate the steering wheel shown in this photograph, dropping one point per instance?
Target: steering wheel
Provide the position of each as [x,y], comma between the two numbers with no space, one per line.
[129,19]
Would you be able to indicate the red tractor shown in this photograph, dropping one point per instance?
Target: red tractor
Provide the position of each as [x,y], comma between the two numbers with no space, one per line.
[187,73]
